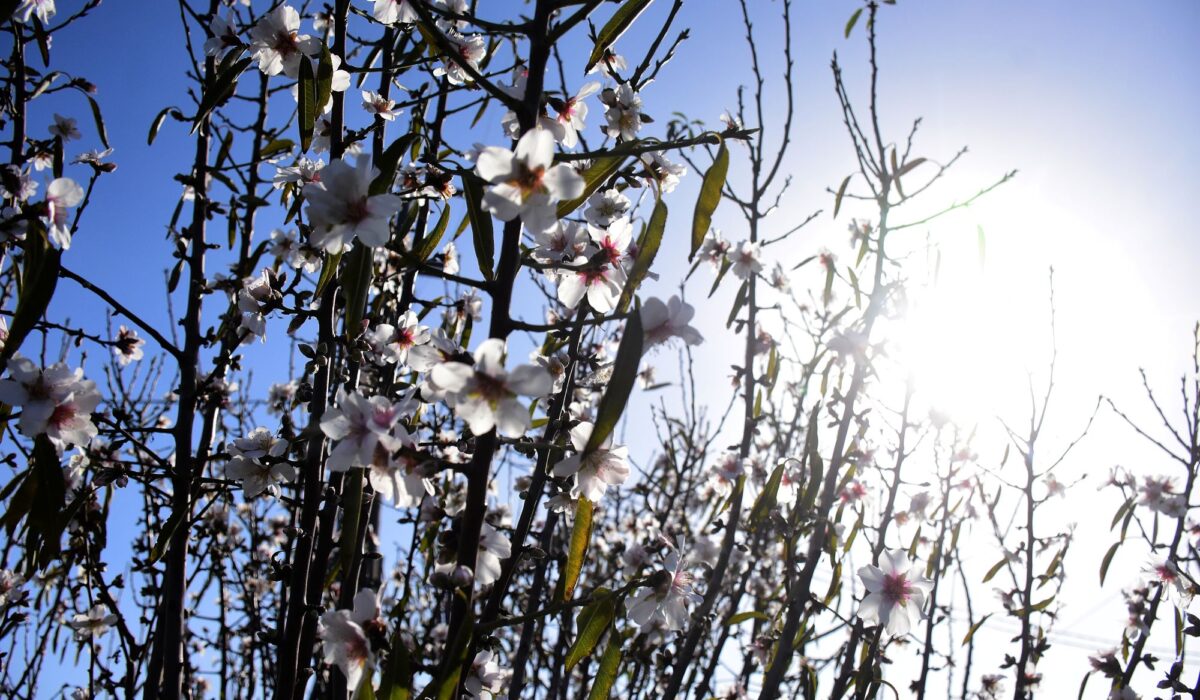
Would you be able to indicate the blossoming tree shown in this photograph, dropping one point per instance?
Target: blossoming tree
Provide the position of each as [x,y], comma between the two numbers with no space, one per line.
[463,486]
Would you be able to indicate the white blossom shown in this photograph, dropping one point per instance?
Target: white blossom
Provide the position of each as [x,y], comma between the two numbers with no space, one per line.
[527,183]
[594,471]
[341,208]
[485,395]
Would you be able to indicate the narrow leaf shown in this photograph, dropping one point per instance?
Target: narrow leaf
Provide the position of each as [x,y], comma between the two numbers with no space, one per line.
[647,249]
[851,22]
[710,197]
[606,673]
[596,175]
[101,131]
[590,625]
[625,370]
[837,200]
[975,628]
[614,28]
[481,225]
[221,88]
[581,533]
[38,280]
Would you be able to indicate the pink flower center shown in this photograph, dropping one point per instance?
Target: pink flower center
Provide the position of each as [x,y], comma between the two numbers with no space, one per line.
[897,588]
[357,211]
[63,414]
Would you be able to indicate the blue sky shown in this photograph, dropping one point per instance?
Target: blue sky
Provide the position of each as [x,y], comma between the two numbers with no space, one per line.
[1095,104]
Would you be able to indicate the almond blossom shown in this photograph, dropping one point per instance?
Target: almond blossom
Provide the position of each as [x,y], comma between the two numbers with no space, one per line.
[469,50]
[661,322]
[1175,585]
[487,679]
[605,207]
[65,128]
[571,113]
[746,259]
[380,106]
[594,471]
[566,240]
[128,346]
[895,594]
[493,548]
[623,113]
[363,427]
[249,463]
[341,207]
[93,623]
[485,395]
[344,639]
[44,9]
[276,42]
[62,194]
[224,37]
[601,284]
[394,12]
[56,401]
[526,183]
[665,604]
[391,344]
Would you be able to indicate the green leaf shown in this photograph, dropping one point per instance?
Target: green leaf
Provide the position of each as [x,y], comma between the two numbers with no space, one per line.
[164,538]
[606,673]
[101,131]
[47,516]
[739,301]
[974,628]
[994,570]
[590,624]
[38,280]
[275,147]
[445,687]
[725,265]
[1108,557]
[389,163]
[306,99]
[614,28]
[327,272]
[710,197]
[481,224]
[837,200]
[430,242]
[741,617]
[220,89]
[356,283]
[850,26]
[395,682]
[647,249]
[625,370]
[596,175]
[767,497]
[581,533]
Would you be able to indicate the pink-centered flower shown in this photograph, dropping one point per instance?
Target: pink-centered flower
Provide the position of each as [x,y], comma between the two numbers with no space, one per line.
[663,321]
[485,394]
[526,182]
[895,594]
[601,284]
[665,604]
[367,429]
[344,640]
[61,196]
[341,207]
[594,471]
[277,44]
